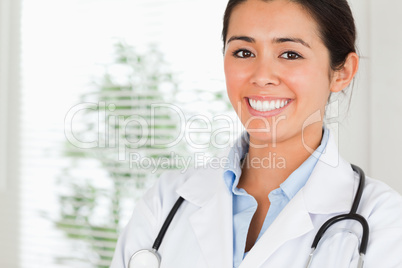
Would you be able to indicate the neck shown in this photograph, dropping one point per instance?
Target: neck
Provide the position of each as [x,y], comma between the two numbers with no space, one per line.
[266,167]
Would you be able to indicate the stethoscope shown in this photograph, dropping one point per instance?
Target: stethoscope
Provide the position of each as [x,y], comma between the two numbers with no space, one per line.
[352,215]
[150,258]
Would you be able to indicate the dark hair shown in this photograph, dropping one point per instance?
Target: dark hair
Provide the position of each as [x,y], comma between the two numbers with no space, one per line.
[335,21]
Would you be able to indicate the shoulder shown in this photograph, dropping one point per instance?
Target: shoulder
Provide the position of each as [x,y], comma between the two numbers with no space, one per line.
[164,192]
[169,182]
[195,185]
[382,208]
[379,190]
[382,205]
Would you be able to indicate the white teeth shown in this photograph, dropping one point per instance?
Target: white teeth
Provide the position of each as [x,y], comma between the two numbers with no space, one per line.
[272,105]
[264,106]
[277,104]
[259,106]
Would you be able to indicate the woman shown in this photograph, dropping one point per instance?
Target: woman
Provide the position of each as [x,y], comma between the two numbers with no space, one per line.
[282,59]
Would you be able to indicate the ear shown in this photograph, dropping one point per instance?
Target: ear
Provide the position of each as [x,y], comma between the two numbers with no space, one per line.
[342,78]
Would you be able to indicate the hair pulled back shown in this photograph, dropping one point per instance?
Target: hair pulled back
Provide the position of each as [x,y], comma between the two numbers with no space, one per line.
[334,19]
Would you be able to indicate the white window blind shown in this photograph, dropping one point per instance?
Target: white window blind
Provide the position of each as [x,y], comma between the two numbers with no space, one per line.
[9,122]
[91,71]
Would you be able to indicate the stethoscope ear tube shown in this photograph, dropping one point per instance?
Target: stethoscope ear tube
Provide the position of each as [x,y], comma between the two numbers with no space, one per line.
[166,224]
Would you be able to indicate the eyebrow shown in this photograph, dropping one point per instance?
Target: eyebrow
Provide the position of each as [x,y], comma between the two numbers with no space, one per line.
[275,40]
[291,39]
[242,38]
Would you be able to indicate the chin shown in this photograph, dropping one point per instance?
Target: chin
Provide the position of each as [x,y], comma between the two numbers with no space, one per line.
[262,138]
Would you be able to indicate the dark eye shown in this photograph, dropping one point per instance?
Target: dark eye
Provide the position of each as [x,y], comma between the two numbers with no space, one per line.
[290,55]
[242,53]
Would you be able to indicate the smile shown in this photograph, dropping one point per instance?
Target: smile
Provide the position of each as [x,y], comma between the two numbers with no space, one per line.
[267,105]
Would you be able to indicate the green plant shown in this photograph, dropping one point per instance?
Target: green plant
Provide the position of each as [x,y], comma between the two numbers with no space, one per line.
[91,207]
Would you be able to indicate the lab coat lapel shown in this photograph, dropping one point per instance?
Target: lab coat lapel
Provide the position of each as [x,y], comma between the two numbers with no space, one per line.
[292,222]
[212,222]
[332,182]
[330,189]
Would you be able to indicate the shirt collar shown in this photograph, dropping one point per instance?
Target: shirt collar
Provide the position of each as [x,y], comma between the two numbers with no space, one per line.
[299,177]
[232,170]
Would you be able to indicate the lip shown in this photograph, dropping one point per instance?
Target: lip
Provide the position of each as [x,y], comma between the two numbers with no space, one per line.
[267,113]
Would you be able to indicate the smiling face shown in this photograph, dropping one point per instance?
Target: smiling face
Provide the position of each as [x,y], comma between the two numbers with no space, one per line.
[277,69]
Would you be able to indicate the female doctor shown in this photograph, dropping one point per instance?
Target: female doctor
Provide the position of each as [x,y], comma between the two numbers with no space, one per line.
[282,61]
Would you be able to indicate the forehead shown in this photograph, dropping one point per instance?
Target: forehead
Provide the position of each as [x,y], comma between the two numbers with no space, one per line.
[270,19]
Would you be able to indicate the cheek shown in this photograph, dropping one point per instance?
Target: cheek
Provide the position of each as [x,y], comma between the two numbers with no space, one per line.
[235,79]
[310,85]
[298,80]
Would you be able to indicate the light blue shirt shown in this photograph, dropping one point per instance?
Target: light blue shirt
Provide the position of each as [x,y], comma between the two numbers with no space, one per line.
[244,205]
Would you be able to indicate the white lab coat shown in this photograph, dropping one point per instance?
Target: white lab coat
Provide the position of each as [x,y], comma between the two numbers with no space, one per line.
[201,233]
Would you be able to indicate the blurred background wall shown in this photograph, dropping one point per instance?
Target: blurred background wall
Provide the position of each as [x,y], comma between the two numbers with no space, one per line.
[56,54]
[369,136]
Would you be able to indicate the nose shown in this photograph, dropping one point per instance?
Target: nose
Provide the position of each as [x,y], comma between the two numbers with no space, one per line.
[265,73]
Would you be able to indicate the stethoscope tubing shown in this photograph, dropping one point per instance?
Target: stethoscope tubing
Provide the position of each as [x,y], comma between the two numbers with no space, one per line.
[166,224]
[359,192]
[352,215]
[330,222]
[152,255]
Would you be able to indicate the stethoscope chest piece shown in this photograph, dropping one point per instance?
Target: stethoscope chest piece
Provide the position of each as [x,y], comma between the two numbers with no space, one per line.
[145,258]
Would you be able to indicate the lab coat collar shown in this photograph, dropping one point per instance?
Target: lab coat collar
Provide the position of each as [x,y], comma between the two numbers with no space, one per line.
[212,222]
[202,185]
[332,184]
